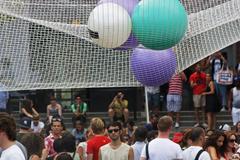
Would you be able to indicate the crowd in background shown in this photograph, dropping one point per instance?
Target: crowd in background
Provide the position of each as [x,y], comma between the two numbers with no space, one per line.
[46,138]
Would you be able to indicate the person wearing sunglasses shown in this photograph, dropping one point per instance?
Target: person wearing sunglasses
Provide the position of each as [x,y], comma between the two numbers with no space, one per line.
[116,149]
[56,132]
[231,146]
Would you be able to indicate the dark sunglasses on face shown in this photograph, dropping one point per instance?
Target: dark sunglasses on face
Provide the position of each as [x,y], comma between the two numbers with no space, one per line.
[232,140]
[113,130]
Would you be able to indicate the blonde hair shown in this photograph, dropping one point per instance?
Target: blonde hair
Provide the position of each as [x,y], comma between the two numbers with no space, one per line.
[97,125]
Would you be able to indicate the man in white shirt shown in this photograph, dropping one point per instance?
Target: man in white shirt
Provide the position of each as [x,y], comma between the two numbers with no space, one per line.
[195,151]
[162,148]
[7,139]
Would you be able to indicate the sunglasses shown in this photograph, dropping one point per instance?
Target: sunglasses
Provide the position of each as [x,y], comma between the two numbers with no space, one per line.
[232,140]
[113,130]
[56,120]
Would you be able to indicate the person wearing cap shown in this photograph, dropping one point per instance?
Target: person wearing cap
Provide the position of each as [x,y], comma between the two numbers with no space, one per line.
[195,151]
[36,124]
[25,127]
[234,101]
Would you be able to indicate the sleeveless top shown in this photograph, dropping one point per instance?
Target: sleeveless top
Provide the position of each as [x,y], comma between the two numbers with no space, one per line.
[53,111]
[121,153]
[236,98]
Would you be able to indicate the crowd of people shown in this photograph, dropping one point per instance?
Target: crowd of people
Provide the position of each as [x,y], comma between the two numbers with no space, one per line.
[115,141]
[121,139]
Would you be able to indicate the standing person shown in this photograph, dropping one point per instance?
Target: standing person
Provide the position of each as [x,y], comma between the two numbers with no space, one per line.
[115,150]
[195,151]
[79,109]
[4,96]
[56,132]
[118,108]
[174,97]
[8,139]
[234,101]
[217,61]
[198,84]
[212,103]
[153,95]
[162,148]
[140,135]
[98,140]
[53,109]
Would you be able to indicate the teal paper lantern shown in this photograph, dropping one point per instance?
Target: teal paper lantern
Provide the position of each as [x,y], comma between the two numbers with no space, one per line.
[159,24]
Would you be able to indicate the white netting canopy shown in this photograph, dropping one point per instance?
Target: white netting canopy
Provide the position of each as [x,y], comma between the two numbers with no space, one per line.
[46,44]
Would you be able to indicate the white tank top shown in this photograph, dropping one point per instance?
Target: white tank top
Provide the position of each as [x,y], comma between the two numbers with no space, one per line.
[121,153]
[236,98]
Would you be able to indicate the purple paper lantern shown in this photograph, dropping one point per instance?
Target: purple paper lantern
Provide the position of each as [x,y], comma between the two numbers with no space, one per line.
[129,5]
[153,68]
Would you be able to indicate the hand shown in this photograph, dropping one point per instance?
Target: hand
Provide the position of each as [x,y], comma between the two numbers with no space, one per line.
[204,93]
[229,109]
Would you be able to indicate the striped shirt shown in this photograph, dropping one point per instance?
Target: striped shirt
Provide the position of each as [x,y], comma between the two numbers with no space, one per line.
[175,85]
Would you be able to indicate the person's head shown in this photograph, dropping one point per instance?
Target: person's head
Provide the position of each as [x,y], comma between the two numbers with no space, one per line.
[165,124]
[78,99]
[89,133]
[120,95]
[237,126]
[63,156]
[53,101]
[186,141]
[217,140]
[68,142]
[237,81]
[57,145]
[25,123]
[97,125]
[130,125]
[218,54]
[231,140]
[197,67]
[208,134]
[154,119]
[152,135]
[115,130]
[35,120]
[140,134]
[197,135]
[208,77]
[57,126]
[7,128]
[34,143]
[79,125]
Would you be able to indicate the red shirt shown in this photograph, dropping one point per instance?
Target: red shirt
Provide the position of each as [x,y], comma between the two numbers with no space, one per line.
[200,80]
[95,143]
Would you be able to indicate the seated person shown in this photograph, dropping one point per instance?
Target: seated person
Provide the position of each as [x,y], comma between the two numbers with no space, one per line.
[53,109]
[79,132]
[27,109]
[118,108]
[36,124]
[79,108]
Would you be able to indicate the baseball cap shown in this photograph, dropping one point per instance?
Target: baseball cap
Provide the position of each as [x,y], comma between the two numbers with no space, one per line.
[225,127]
[25,123]
[177,137]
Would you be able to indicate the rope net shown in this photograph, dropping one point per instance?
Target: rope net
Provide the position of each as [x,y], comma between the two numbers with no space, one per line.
[45,44]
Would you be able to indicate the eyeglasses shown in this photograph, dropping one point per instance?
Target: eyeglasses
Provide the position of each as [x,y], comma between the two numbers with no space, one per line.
[232,140]
[113,130]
